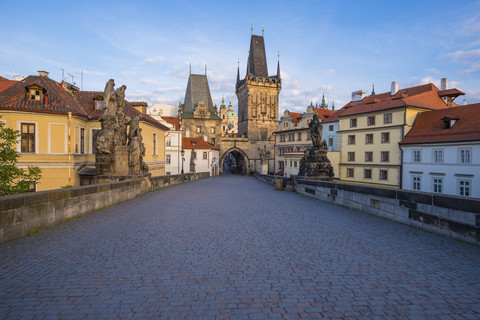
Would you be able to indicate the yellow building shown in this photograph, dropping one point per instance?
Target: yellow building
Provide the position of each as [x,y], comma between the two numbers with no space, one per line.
[58,125]
[370,129]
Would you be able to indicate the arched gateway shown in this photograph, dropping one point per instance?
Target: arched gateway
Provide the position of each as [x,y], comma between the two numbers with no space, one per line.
[235,161]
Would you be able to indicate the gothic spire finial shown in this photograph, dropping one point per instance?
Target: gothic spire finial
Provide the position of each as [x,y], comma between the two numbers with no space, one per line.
[373,89]
[238,71]
[251,28]
[278,66]
[262,30]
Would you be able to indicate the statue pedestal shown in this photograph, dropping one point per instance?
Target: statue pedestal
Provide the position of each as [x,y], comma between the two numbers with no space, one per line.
[192,168]
[315,164]
[264,167]
[120,161]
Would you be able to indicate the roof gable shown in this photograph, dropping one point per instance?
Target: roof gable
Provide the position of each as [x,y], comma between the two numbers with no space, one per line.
[198,90]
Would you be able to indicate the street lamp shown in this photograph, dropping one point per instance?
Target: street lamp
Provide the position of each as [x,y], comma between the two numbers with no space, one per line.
[183,159]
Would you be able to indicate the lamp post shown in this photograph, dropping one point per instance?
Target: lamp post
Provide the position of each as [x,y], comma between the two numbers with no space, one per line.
[183,159]
[268,162]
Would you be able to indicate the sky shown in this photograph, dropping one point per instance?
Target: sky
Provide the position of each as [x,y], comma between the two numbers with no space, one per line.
[329,48]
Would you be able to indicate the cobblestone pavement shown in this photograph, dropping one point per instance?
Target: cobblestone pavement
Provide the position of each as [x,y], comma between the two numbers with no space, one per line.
[234,248]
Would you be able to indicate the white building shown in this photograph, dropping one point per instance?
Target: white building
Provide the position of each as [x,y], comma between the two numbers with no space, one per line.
[441,153]
[206,156]
[173,140]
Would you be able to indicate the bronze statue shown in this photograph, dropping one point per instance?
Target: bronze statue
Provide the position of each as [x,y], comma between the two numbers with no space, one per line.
[315,130]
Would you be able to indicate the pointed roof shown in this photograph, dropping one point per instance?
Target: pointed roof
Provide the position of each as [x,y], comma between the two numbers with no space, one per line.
[238,72]
[198,89]
[278,69]
[257,59]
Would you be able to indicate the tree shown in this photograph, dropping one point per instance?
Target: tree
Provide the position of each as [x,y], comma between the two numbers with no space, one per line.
[13,179]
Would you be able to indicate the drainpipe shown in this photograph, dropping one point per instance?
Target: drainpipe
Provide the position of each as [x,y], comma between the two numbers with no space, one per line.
[69,145]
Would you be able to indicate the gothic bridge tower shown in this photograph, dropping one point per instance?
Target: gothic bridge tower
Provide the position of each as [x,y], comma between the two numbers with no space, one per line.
[258,95]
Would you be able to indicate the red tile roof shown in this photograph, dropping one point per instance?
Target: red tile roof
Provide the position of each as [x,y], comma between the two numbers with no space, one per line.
[429,126]
[60,101]
[196,143]
[425,96]
[173,121]
[56,98]
[324,114]
[86,100]
[296,117]
[335,117]
[5,83]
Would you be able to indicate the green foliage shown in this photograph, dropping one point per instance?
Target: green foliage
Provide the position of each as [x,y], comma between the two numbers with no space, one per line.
[66,186]
[13,179]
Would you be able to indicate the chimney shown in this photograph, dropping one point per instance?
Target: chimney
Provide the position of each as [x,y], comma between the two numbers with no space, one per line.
[444,84]
[43,74]
[358,95]
[394,88]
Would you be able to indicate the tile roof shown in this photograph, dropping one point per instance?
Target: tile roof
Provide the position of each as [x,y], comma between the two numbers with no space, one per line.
[296,117]
[86,100]
[324,114]
[196,143]
[424,96]
[175,121]
[5,83]
[56,98]
[335,116]
[429,126]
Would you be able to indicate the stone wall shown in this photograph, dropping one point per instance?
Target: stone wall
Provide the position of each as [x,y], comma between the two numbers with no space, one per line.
[451,216]
[29,212]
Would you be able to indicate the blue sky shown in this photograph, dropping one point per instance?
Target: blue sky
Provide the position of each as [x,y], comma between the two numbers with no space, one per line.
[326,47]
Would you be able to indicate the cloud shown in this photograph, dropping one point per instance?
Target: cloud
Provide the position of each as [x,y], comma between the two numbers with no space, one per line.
[8,74]
[330,71]
[472,96]
[129,73]
[94,73]
[168,90]
[155,60]
[148,81]
[469,57]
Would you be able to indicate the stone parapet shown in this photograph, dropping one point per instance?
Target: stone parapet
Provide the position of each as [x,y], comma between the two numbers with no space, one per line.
[451,216]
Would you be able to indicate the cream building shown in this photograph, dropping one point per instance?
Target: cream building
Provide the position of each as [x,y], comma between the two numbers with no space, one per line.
[370,129]
[58,125]
[292,138]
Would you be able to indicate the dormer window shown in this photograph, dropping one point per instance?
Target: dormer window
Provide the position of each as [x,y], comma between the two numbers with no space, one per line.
[35,95]
[448,122]
[35,92]
[99,104]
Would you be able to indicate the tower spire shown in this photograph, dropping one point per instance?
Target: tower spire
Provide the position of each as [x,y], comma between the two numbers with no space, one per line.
[238,72]
[262,30]
[278,66]
[373,89]
[251,28]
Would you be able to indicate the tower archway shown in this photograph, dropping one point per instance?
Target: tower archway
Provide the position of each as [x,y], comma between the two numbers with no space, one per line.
[234,161]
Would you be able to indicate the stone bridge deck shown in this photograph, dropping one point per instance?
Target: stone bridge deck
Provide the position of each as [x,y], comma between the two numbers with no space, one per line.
[233,248]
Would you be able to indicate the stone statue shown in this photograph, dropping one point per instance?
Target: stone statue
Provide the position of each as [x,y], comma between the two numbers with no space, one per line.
[315,162]
[192,161]
[109,99]
[118,154]
[315,130]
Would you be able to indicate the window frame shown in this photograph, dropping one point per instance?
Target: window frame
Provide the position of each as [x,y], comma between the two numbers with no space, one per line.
[436,158]
[367,159]
[350,172]
[466,151]
[353,123]
[469,187]
[416,182]
[414,157]
[385,137]
[351,139]
[369,175]
[383,174]
[32,136]
[367,140]
[437,182]
[387,118]
[351,156]
[370,120]
[382,156]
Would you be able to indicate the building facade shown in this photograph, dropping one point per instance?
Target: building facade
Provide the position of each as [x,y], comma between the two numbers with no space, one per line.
[58,125]
[441,154]
[370,129]
[292,138]
[206,156]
